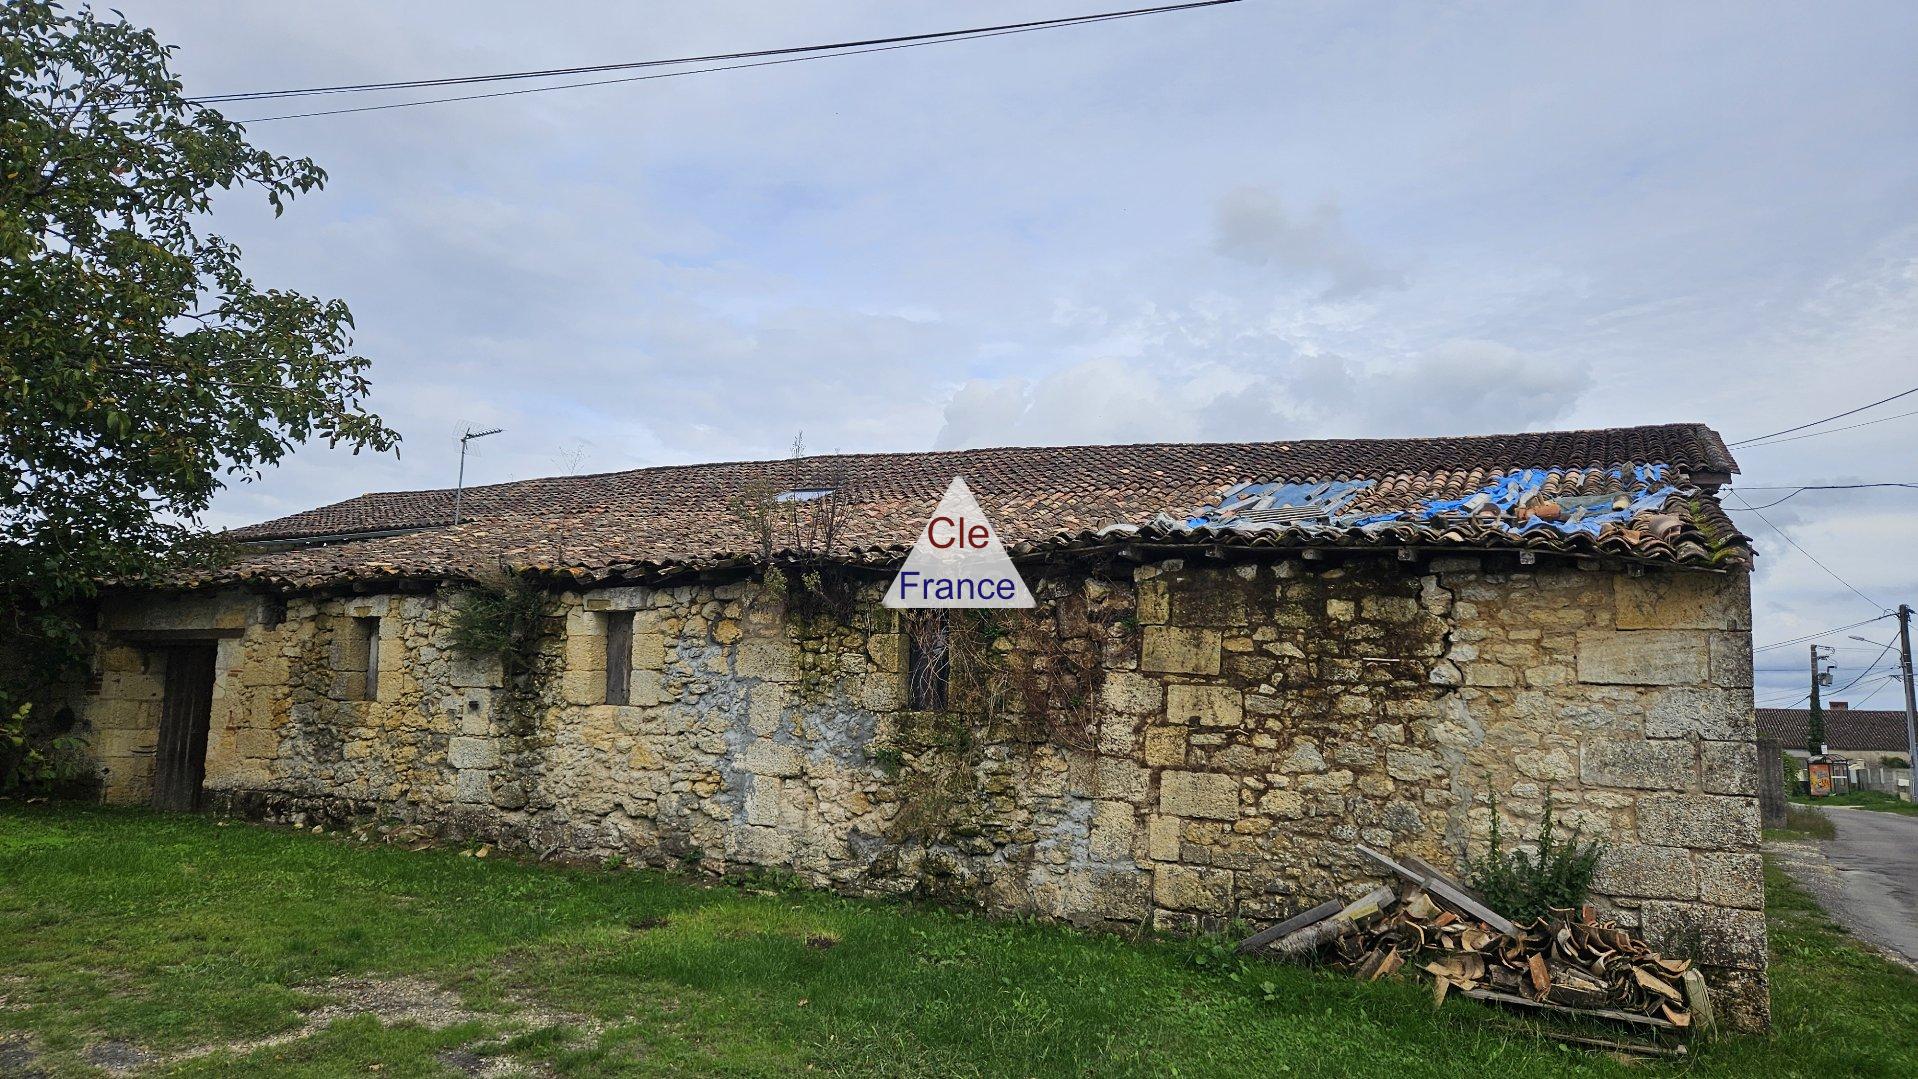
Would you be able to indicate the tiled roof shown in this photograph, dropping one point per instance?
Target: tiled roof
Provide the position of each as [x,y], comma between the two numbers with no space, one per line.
[1846,729]
[1441,492]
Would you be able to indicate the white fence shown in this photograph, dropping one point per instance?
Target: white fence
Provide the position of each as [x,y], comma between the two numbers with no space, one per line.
[1889,780]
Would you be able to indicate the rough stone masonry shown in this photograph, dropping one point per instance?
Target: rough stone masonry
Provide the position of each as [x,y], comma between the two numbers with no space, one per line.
[1246,723]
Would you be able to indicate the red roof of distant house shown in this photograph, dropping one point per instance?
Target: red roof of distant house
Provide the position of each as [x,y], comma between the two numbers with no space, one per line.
[1851,729]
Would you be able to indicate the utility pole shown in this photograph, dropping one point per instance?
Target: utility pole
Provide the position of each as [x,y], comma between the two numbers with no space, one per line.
[1815,728]
[459,489]
[1911,703]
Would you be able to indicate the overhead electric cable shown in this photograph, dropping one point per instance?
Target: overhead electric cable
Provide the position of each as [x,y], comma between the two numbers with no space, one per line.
[1866,671]
[1814,558]
[813,52]
[1826,431]
[590,69]
[1828,419]
[1821,633]
[1816,486]
[1889,680]
[1796,491]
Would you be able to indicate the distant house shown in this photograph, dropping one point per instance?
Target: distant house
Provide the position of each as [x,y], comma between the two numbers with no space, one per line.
[1862,736]
[1246,659]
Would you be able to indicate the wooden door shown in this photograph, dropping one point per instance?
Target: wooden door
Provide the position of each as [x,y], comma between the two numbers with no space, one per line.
[179,764]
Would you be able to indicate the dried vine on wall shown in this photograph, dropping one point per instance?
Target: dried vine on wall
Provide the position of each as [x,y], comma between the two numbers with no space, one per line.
[983,675]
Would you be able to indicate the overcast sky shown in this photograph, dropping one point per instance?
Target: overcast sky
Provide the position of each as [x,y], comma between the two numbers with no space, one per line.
[1271,220]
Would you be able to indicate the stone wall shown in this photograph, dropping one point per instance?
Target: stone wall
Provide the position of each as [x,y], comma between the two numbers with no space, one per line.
[1241,728]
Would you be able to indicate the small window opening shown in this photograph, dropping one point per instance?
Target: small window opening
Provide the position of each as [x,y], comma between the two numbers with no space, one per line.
[928,662]
[360,659]
[619,657]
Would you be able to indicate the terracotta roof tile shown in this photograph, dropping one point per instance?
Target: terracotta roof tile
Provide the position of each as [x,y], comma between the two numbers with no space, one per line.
[1845,728]
[1040,498]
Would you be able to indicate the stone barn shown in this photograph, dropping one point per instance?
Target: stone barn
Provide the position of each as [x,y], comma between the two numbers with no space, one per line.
[1245,659]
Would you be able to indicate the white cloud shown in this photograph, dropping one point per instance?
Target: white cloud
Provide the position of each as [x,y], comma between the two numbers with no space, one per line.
[1257,220]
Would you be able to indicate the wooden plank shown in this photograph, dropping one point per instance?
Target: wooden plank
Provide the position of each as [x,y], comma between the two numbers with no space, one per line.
[1639,1048]
[1599,1013]
[175,636]
[371,627]
[1431,870]
[1446,889]
[1697,998]
[1392,866]
[1290,925]
[1337,925]
[179,765]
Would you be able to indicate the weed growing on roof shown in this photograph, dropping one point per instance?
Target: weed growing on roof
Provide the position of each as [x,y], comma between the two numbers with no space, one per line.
[791,520]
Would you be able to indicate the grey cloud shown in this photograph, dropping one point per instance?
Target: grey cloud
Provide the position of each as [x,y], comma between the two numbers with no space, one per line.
[1461,387]
[1252,225]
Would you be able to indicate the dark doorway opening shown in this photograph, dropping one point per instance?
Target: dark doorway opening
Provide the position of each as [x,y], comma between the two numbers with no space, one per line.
[179,764]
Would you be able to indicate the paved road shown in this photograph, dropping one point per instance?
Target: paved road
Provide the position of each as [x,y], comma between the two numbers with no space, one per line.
[1867,878]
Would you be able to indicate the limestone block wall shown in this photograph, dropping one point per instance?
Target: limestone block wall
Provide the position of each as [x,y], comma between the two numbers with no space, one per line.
[1195,742]
[121,704]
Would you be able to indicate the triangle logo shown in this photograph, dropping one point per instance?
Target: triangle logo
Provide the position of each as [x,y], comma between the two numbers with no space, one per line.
[958,561]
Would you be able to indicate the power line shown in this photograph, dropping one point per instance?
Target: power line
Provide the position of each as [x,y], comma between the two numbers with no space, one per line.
[1814,558]
[1821,633]
[1828,419]
[1827,431]
[863,43]
[633,78]
[1796,491]
[1866,671]
[816,52]
[1891,679]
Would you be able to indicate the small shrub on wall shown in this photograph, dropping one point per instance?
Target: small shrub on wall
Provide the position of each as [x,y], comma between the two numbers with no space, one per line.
[1524,886]
[507,618]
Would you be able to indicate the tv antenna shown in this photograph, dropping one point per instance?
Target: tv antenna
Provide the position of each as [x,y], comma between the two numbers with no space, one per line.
[459,489]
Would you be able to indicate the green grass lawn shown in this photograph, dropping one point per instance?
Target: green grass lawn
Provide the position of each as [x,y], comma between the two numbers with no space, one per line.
[1878,800]
[166,935]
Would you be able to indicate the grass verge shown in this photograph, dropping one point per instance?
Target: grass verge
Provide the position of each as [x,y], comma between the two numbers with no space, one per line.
[190,942]
[1874,800]
[1801,823]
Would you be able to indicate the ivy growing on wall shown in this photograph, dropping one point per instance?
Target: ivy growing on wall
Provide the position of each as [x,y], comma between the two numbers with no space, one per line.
[508,618]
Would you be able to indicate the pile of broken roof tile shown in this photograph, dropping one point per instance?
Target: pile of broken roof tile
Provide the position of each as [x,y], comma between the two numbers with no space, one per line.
[1433,927]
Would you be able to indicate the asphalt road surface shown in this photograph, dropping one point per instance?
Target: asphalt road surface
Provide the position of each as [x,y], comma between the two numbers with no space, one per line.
[1867,879]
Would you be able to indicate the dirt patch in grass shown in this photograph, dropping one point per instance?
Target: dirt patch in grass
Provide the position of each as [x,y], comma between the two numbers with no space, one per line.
[394,1001]
[17,1057]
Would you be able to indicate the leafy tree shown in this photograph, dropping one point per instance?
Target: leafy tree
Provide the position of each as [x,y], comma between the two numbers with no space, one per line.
[139,364]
